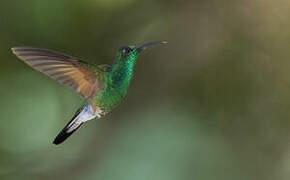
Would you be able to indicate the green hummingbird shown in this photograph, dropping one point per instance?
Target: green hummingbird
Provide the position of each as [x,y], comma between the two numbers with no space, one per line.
[102,86]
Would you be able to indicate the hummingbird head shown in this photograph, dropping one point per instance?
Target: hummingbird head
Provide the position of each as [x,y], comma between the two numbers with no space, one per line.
[122,69]
[131,52]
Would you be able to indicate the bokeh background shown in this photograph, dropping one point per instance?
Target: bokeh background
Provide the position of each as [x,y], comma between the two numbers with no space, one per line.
[214,103]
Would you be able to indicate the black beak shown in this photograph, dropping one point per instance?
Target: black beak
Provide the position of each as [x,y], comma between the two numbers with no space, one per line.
[142,47]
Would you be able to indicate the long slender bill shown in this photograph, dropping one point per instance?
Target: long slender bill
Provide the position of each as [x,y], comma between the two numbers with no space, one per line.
[142,47]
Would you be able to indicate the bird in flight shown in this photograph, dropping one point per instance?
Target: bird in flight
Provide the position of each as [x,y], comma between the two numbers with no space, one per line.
[102,86]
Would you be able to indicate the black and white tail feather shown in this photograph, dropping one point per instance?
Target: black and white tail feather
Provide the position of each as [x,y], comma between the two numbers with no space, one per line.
[82,115]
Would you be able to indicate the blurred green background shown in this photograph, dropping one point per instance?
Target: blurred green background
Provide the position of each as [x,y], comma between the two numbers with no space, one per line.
[212,104]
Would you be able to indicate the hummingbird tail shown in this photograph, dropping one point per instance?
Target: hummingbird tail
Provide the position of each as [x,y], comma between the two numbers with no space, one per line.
[82,115]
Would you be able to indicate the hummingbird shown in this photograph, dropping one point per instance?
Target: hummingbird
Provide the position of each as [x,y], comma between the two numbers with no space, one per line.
[103,87]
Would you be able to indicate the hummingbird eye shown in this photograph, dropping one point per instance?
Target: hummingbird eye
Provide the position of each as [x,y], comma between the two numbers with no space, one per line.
[126,50]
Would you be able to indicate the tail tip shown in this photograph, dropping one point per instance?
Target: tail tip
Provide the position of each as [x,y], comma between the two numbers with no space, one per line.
[63,135]
[56,141]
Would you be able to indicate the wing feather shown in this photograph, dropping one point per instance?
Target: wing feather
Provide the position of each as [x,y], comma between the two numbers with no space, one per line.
[66,69]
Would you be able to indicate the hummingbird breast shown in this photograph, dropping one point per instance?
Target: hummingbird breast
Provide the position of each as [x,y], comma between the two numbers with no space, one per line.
[113,91]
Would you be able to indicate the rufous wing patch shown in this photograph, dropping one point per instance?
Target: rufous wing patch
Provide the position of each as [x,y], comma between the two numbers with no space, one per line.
[65,69]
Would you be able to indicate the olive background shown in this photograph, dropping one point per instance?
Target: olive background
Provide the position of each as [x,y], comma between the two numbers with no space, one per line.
[211,104]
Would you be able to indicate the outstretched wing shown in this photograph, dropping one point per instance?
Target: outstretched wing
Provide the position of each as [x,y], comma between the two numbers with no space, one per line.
[68,70]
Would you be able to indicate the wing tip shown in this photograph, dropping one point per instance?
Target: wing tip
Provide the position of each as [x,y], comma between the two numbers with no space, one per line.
[18,48]
[13,49]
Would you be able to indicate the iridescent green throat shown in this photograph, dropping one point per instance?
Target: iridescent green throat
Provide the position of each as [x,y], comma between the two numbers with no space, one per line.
[116,81]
